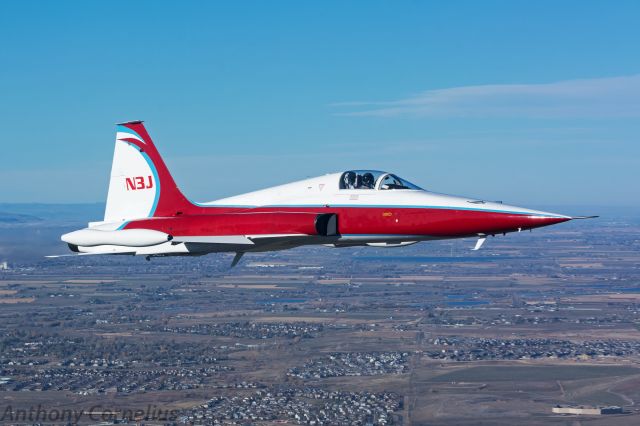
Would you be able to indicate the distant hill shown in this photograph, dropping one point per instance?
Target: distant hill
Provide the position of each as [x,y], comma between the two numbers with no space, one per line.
[15,218]
[22,212]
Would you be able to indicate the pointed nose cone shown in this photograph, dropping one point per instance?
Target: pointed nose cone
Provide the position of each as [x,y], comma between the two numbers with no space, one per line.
[507,218]
[536,221]
[529,219]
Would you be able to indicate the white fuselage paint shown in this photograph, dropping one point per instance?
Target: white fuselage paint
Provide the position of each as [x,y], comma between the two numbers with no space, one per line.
[314,192]
[323,190]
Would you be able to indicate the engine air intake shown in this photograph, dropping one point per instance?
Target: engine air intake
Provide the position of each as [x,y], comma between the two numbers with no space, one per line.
[327,224]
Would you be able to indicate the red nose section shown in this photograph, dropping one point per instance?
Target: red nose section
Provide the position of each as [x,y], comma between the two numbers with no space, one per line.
[462,223]
[538,221]
[516,222]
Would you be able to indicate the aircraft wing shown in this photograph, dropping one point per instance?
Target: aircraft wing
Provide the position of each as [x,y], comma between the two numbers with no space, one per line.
[225,243]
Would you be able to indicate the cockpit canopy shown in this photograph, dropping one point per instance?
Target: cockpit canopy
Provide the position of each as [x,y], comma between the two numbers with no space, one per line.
[373,179]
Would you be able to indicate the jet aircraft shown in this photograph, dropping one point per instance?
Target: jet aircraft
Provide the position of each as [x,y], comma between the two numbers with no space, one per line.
[147,215]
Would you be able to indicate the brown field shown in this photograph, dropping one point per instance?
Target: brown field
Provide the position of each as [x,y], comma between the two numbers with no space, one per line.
[335,281]
[582,265]
[608,297]
[256,286]
[16,300]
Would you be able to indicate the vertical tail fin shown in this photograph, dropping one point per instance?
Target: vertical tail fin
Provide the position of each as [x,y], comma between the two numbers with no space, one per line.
[141,185]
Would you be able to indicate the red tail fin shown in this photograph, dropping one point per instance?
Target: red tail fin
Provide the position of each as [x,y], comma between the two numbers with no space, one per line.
[141,185]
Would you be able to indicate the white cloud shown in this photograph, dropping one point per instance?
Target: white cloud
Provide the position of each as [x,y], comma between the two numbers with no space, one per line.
[586,98]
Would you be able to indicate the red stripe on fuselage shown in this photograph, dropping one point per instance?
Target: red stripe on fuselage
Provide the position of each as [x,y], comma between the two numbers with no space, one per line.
[435,222]
[232,224]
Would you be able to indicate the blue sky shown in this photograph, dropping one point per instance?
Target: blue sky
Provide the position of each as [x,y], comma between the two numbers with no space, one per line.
[533,103]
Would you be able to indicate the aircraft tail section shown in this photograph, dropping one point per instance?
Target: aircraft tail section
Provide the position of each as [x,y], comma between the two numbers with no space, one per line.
[140,185]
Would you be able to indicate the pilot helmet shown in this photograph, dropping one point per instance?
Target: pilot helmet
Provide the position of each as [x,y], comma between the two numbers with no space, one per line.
[349,179]
[367,179]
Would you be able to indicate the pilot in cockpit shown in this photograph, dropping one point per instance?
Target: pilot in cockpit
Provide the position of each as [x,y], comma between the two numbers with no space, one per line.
[367,181]
[349,180]
[372,179]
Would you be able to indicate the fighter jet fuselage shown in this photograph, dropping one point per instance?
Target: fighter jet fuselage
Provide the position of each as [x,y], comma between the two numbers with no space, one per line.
[146,214]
